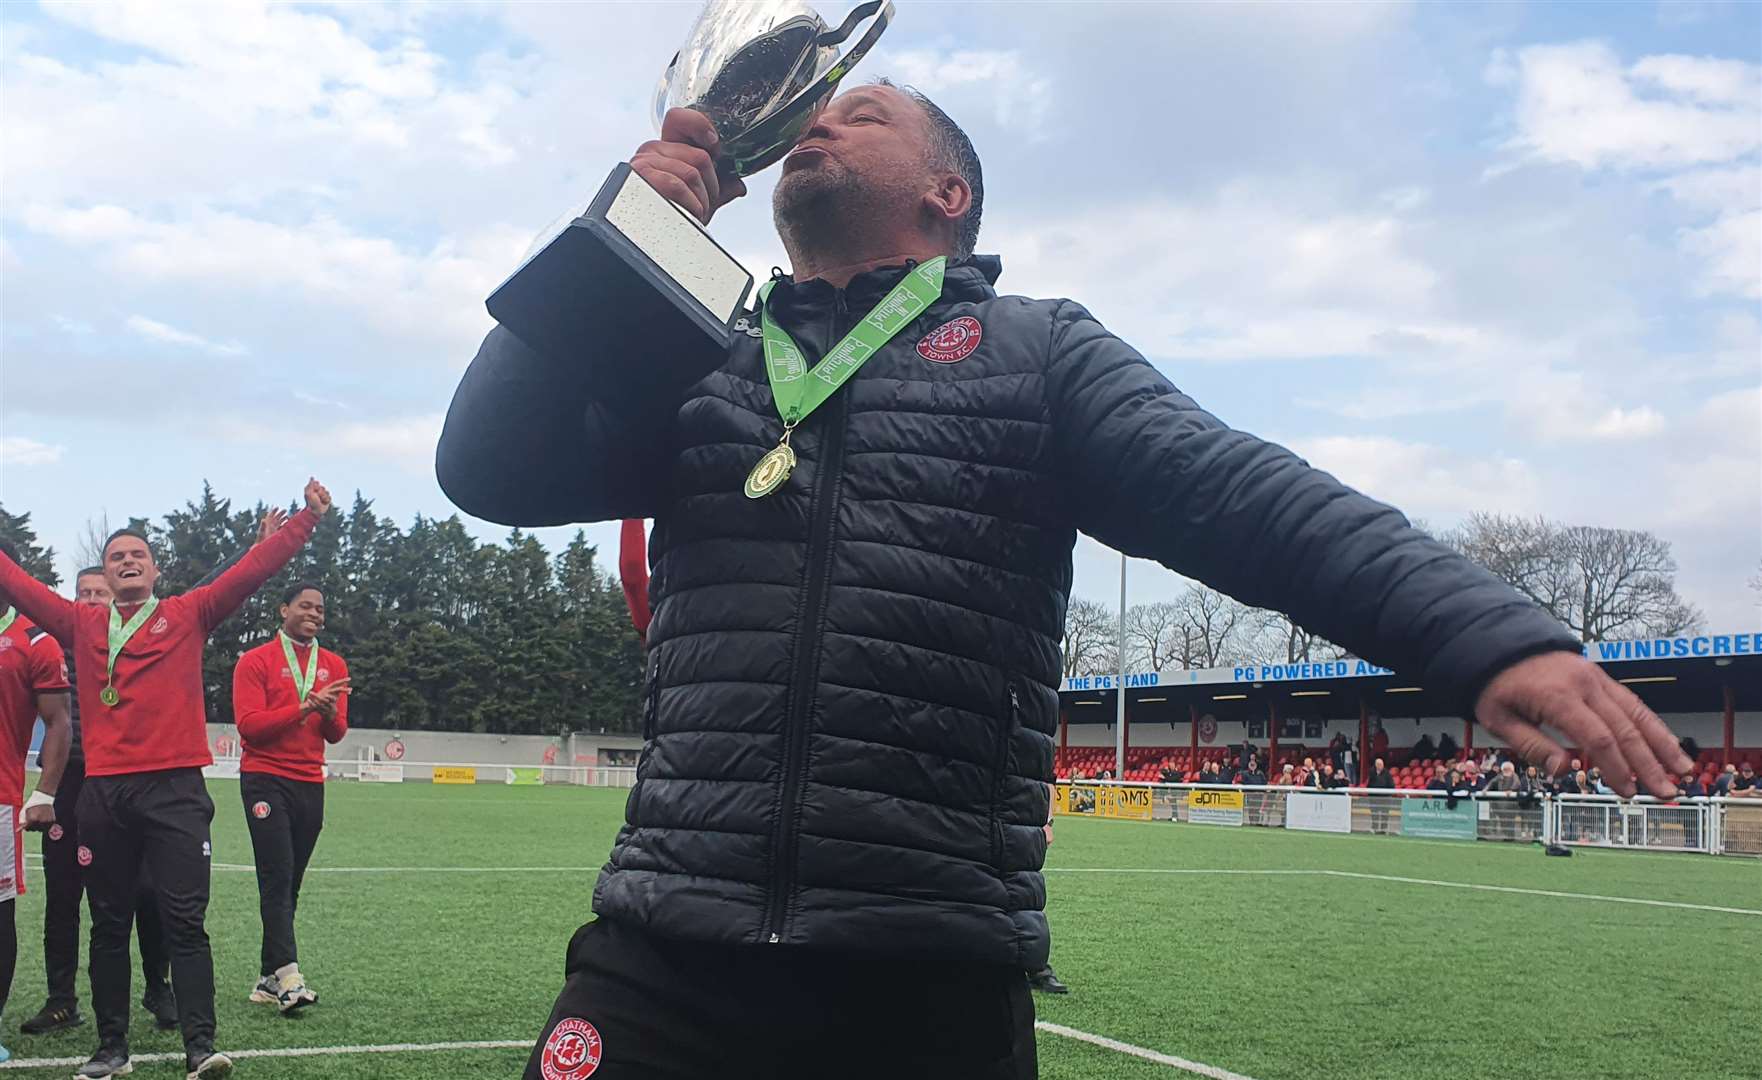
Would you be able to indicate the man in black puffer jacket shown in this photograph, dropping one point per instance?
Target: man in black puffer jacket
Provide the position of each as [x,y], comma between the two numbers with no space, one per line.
[832,853]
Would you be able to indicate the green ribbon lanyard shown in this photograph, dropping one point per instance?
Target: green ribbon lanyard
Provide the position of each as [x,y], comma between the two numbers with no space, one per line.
[798,391]
[302,684]
[120,633]
[6,619]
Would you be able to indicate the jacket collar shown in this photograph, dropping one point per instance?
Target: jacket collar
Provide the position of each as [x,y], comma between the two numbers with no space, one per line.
[969,278]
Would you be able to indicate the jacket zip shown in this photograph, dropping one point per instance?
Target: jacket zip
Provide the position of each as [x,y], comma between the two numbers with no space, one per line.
[801,693]
[1010,723]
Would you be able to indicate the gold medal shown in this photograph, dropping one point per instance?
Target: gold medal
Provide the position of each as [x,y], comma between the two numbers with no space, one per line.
[771,471]
[109,696]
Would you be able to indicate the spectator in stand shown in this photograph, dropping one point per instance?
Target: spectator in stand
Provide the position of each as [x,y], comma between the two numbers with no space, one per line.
[1748,785]
[1379,740]
[1306,772]
[1323,778]
[1692,787]
[1582,783]
[1337,751]
[1253,775]
[1568,784]
[1381,779]
[1533,781]
[1504,811]
[1597,785]
[1476,778]
[1170,774]
[1287,776]
[1447,748]
[1722,783]
[1424,750]
[1440,779]
[1577,766]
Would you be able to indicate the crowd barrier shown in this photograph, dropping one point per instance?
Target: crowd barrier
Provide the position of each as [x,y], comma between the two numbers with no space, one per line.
[1708,826]
[455,772]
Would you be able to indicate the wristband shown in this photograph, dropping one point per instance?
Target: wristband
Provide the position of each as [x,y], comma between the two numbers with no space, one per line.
[38,798]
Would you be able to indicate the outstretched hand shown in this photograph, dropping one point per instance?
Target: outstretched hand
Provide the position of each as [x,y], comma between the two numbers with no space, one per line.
[271,523]
[1568,693]
[317,497]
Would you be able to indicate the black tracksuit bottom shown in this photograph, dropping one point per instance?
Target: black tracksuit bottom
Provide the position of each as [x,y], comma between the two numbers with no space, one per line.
[157,822]
[640,1007]
[63,888]
[285,817]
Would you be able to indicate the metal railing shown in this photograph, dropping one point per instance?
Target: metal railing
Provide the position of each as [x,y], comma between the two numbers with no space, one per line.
[1714,826]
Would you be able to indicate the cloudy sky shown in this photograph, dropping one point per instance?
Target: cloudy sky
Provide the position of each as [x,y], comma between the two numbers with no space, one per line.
[1493,257]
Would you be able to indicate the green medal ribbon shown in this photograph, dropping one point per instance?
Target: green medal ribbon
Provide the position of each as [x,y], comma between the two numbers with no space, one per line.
[120,633]
[798,391]
[302,683]
[6,619]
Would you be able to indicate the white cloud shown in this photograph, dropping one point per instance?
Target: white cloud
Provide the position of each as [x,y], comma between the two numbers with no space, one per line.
[408,441]
[20,451]
[153,330]
[1577,104]
[1425,480]
[1696,119]
[1018,96]
[437,293]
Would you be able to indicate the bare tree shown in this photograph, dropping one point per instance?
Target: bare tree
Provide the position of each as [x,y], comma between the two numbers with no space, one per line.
[1215,629]
[1278,640]
[1602,583]
[89,548]
[1091,638]
[1154,637]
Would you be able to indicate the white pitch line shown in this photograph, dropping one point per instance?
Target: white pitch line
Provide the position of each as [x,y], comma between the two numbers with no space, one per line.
[289,1052]
[511,1044]
[1414,881]
[1146,1054]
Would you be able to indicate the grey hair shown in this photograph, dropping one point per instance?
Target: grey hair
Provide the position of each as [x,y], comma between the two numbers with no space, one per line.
[952,151]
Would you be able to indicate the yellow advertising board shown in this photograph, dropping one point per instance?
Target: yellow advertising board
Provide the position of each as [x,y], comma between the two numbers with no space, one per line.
[455,774]
[1214,807]
[1105,800]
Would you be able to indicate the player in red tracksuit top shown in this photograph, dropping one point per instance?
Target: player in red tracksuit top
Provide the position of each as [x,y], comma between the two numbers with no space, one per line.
[139,664]
[289,698]
[33,682]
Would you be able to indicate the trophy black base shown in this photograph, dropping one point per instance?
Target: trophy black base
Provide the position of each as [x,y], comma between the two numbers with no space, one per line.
[633,287]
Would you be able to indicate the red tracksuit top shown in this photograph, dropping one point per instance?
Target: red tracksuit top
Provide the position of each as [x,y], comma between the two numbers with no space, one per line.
[281,738]
[158,723]
[30,664]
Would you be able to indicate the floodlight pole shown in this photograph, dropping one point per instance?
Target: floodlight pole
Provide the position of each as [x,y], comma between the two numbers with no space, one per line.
[1119,735]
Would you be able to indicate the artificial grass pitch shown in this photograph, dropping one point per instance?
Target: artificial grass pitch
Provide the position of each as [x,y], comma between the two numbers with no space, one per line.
[1269,975]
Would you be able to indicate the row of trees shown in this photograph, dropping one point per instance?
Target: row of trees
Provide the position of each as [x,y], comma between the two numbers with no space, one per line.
[1602,584]
[441,631]
[444,632]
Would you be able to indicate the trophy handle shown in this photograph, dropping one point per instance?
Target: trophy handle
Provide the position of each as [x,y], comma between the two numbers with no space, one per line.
[774,136]
[857,15]
[660,104]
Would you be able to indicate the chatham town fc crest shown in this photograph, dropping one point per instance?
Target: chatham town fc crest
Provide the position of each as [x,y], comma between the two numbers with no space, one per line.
[572,1052]
[260,810]
[953,341]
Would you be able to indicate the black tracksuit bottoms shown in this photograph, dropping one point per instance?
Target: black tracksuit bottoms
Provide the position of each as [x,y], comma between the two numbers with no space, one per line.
[285,817]
[157,822]
[64,887]
[636,1006]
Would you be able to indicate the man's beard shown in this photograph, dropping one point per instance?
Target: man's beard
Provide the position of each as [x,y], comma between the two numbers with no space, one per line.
[829,208]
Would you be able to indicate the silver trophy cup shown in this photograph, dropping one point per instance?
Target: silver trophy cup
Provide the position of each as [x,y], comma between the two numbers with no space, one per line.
[632,268]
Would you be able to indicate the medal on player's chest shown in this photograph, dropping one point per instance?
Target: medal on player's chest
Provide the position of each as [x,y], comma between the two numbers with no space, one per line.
[117,636]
